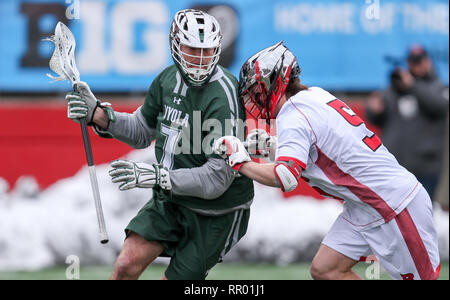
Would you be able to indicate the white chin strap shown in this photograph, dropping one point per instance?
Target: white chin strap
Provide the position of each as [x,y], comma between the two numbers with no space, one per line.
[197,73]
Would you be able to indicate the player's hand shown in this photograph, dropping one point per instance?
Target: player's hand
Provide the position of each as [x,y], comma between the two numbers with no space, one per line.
[375,103]
[81,104]
[131,174]
[261,145]
[407,78]
[233,150]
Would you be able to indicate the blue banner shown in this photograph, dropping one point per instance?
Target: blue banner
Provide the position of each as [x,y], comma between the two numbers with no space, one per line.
[123,44]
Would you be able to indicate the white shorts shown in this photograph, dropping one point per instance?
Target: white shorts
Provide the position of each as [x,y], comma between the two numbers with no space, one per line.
[406,246]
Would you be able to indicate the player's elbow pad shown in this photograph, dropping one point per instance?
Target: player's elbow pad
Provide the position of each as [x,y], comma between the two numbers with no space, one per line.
[285,179]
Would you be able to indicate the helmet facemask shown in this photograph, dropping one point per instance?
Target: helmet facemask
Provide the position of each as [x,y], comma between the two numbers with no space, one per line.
[263,81]
[197,73]
[254,100]
[277,88]
[191,30]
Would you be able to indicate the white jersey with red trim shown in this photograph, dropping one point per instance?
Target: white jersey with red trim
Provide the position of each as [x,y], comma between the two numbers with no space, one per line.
[342,158]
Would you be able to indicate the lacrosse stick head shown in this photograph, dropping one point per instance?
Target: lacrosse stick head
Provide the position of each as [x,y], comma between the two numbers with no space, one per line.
[62,61]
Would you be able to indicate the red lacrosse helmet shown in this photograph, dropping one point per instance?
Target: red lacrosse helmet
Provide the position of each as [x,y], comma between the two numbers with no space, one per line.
[263,80]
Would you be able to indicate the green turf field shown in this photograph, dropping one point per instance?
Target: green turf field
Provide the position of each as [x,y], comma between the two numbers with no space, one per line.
[222,271]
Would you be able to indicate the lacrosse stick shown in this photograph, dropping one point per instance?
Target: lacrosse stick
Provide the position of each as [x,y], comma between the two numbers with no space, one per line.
[62,63]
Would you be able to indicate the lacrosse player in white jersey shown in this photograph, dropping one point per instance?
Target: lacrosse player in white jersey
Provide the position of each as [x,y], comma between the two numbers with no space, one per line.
[386,210]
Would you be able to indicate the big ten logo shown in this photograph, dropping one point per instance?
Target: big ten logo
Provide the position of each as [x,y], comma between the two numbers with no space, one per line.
[73,268]
[228,19]
[41,20]
[123,37]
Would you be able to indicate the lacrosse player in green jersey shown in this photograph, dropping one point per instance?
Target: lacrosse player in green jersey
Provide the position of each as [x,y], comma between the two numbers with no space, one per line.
[199,208]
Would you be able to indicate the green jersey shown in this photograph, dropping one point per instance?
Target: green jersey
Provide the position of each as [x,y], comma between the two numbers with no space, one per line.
[187,121]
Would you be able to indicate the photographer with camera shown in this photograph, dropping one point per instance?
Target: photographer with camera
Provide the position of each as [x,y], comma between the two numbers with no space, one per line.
[412,114]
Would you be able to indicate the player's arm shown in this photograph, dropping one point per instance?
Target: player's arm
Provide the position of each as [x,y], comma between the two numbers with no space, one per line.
[101,118]
[262,173]
[208,181]
[133,129]
[284,173]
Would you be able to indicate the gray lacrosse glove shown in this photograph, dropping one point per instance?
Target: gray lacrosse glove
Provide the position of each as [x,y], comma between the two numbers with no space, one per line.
[81,104]
[131,174]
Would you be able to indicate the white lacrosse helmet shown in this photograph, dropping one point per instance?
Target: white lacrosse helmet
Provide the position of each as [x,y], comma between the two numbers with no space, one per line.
[195,29]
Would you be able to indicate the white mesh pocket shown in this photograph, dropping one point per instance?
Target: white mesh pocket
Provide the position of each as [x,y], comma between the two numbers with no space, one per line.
[62,61]
[55,65]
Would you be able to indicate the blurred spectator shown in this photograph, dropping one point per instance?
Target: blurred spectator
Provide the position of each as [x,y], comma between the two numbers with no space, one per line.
[412,115]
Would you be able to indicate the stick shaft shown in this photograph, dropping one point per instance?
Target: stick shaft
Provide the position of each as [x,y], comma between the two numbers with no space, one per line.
[65,67]
[98,205]
[94,184]
[87,142]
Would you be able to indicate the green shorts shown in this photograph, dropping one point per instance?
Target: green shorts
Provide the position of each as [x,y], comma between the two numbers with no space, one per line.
[194,242]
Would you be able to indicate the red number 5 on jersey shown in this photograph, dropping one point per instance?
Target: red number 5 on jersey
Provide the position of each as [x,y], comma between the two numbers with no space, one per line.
[373,142]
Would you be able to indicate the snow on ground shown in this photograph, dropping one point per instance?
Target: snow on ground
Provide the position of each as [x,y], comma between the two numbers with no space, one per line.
[42,228]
